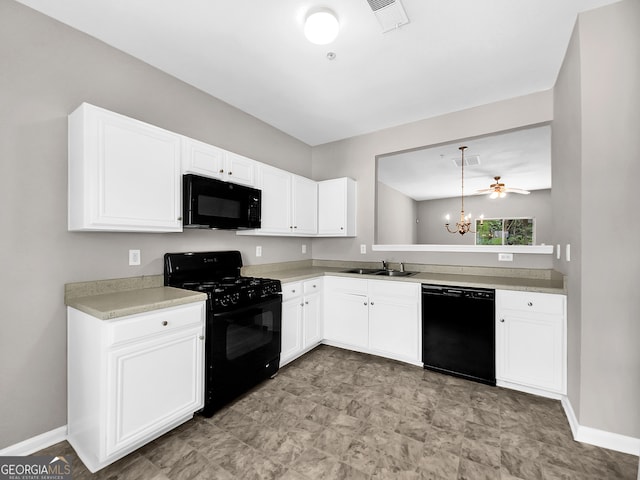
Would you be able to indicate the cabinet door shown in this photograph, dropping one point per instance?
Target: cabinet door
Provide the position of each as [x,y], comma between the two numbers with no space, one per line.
[151,384]
[332,207]
[124,175]
[337,207]
[241,170]
[291,330]
[312,318]
[276,200]
[347,319]
[530,350]
[202,158]
[305,205]
[394,328]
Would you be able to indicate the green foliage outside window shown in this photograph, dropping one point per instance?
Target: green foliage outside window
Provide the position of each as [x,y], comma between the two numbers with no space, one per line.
[505,231]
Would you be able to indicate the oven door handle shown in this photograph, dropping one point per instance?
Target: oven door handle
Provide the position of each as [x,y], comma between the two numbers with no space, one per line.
[256,306]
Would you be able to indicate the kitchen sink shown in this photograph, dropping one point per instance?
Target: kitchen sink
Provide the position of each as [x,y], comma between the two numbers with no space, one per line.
[363,271]
[394,273]
[377,271]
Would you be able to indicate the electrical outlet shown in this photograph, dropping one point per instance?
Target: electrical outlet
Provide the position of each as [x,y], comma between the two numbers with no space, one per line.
[567,254]
[363,249]
[558,251]
[304,248]
[134,257]
[258,251]
[505,257]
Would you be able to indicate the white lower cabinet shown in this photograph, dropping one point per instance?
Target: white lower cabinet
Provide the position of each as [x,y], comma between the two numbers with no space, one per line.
[531,341]
[132,379]
[301,318]
[374,316]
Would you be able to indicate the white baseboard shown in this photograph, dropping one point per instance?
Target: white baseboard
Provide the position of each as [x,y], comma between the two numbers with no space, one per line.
[599,438]
[34,444]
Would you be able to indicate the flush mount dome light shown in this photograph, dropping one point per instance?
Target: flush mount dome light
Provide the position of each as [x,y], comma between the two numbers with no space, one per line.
[321,26]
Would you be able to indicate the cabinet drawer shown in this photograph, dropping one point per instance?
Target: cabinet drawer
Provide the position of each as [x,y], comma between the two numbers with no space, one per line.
[159,321]
[291,290]
[312,286]
[531,302]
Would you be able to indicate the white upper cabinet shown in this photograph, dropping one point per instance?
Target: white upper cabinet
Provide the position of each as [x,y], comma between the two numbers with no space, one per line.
[277,187]
[211,161]
[289,203]
[337,208]
[305,206]
[124,175]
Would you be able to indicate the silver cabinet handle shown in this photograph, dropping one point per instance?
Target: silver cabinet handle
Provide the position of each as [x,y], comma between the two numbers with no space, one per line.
[302,304]
[230,173]
[502,320]
[293,291]
[221,171]
[530,304]
[314,286]
[365,303]
[165,323]
[201,337]
[371,303]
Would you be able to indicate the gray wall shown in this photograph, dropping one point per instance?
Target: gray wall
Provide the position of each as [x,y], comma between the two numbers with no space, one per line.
[595,150]
[397,213]
[46,71]
[431,215]
[355,158]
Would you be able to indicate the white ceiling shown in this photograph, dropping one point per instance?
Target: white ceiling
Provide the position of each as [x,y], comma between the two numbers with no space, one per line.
[454,54]
[521,157]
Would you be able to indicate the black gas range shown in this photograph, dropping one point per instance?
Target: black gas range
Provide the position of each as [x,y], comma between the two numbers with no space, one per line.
[243,321]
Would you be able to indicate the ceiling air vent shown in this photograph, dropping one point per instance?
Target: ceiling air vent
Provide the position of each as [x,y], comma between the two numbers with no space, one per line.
[389,13]
[469,161]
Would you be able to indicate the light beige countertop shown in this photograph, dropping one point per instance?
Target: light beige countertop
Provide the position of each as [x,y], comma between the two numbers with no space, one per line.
[543,281]
[106,306]
[114,298]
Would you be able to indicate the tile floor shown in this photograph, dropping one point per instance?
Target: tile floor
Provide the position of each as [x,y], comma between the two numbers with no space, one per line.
[336,414]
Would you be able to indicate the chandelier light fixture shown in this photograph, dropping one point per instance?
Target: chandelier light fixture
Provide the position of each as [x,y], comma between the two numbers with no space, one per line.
[464,224]
[321,26]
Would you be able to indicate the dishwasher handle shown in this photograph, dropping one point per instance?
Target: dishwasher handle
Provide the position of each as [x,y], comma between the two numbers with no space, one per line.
[457,292]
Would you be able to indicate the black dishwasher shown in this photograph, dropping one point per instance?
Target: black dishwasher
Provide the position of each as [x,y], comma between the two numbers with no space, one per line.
[458,332]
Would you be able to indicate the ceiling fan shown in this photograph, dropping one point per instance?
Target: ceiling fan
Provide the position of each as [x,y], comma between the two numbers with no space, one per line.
[498,190]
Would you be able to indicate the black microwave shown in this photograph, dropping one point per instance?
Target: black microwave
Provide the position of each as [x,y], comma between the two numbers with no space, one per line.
[211,203]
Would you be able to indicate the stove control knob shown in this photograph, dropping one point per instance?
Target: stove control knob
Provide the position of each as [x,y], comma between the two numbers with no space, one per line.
[252,294]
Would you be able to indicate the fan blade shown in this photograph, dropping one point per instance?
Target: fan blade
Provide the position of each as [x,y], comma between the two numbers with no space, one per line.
[517,190]
[482,192]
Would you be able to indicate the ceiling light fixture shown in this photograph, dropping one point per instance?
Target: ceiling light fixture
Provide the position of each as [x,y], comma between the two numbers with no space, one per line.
[464,224]
[321,26]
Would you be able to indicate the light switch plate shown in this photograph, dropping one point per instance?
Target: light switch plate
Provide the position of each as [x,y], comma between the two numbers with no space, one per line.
[363,248]
[505,257]
[304,248]
[134,257]
[258,251]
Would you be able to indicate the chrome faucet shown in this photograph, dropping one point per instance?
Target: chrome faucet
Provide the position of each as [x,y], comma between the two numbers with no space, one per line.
[385,266]
[401,266]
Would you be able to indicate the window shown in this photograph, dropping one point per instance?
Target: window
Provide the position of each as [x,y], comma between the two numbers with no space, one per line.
[505,231]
